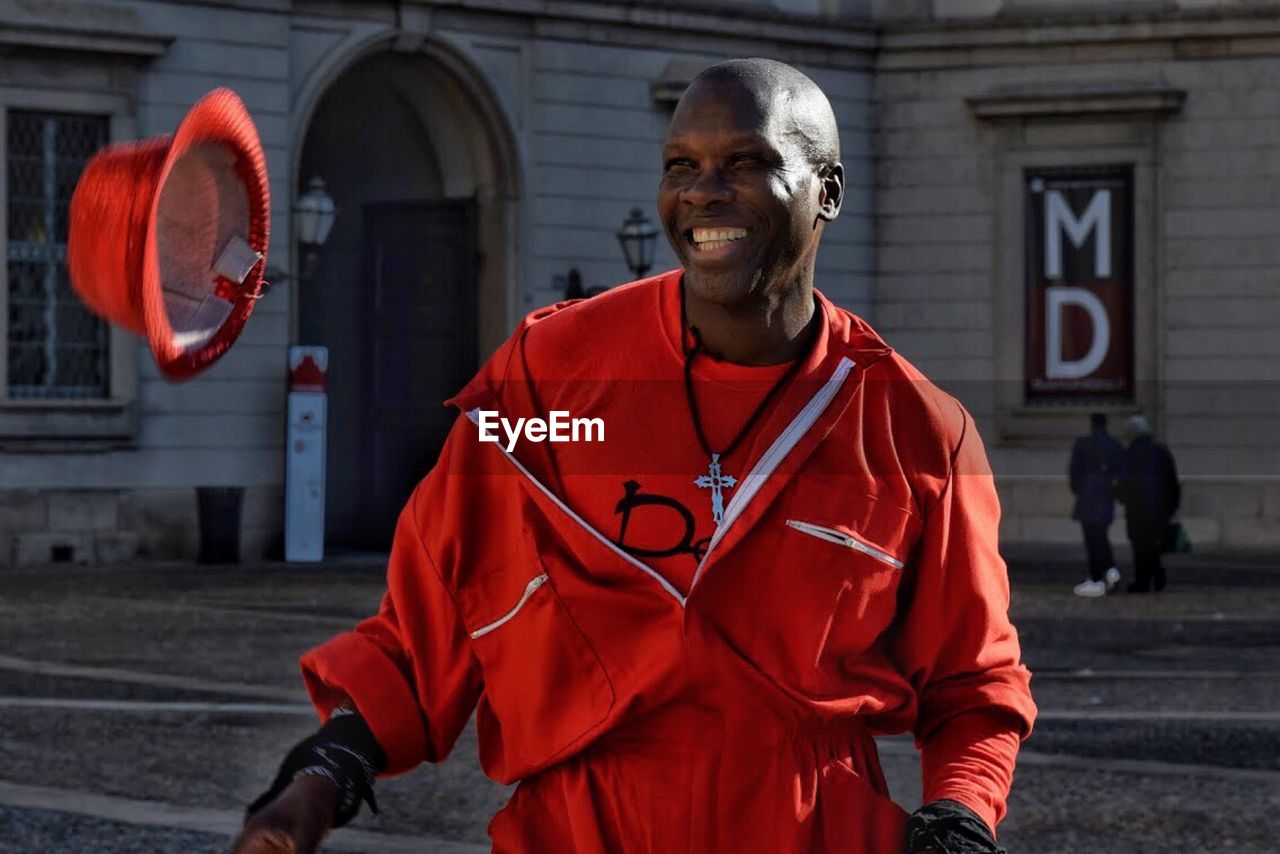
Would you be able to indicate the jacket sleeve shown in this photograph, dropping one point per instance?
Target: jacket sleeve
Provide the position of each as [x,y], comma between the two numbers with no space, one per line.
[970,759]
[1173,486]
[1129,489]
[1076,469]
[955,643]
[409,668]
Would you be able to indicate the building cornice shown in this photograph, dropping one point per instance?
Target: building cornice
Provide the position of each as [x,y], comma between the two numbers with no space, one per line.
[78,27]
[757,23]
[1129,99]
[1019,40]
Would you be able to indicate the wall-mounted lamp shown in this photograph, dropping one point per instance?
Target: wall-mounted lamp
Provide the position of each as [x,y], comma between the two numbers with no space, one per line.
[313,216]
[638,238]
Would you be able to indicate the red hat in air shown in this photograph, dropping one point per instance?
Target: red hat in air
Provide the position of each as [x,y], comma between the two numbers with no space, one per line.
[168,236]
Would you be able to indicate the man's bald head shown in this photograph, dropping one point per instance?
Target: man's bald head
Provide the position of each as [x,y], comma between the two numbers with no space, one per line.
[791,102]
[751,176]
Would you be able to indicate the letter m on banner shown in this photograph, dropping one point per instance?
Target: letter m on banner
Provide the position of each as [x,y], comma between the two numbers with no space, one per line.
[1079,251]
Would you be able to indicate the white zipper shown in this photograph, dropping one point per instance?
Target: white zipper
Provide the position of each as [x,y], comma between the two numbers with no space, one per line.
[840,538]
[609,544]
[781,446]
[529,589]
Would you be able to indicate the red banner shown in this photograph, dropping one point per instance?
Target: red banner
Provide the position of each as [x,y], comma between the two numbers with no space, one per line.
[1079,251]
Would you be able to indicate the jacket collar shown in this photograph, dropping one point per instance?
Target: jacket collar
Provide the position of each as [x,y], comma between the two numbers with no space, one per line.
[842,334]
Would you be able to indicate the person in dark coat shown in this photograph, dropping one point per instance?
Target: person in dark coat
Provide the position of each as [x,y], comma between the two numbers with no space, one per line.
[1095,470]
[1150,492]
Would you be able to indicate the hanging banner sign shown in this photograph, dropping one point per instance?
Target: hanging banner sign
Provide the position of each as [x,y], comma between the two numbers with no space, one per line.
[1079,251]
[304,470]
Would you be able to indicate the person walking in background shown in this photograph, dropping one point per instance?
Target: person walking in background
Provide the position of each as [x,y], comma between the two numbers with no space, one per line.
[1150,492]
[1095,469]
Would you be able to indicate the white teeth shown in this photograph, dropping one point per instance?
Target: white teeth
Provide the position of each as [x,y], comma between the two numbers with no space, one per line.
[705,236]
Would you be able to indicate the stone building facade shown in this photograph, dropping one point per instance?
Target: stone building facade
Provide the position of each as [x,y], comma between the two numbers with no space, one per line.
[519,136]
[968,104]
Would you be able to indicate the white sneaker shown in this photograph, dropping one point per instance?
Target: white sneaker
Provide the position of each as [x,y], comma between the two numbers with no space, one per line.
[1091,589]
[1113,579]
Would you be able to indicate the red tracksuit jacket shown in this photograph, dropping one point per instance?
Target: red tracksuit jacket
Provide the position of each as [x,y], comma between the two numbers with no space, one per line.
[853,588]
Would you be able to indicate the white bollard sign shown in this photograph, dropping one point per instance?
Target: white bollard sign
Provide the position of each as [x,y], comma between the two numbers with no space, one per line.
[304,468]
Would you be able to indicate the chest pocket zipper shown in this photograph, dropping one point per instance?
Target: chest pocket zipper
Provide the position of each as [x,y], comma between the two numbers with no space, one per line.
[529,589]
[831,535]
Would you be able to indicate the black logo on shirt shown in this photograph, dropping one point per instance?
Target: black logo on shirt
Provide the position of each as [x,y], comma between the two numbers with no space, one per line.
[633,499]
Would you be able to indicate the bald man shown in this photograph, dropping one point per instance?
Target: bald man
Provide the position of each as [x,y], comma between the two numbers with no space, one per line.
[683,633]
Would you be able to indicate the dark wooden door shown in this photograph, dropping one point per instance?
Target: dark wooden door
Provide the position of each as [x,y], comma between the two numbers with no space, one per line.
[420,337]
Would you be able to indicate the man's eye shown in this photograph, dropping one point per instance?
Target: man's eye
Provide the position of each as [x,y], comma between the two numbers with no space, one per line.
[678,170]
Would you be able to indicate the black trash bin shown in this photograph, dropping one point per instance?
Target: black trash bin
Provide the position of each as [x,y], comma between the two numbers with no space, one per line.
[219,508]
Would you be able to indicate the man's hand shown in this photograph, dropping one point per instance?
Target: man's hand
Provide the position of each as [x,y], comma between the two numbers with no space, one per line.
[293,823]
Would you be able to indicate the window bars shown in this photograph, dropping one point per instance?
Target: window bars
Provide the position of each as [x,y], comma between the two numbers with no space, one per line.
[56,348]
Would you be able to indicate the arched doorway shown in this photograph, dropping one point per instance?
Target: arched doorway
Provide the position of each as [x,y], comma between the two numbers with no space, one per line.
[411,284]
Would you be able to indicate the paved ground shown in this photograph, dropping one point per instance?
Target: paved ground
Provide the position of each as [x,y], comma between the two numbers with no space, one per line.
[141,707]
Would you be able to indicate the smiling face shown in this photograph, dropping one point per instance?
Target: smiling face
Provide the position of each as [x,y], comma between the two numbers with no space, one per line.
[742,201]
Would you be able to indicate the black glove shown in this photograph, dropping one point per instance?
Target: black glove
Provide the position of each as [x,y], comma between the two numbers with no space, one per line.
[345,751]
[951,828]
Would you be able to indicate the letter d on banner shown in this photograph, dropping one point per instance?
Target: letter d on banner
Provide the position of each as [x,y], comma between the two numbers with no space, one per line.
[304,469]
[1057,368]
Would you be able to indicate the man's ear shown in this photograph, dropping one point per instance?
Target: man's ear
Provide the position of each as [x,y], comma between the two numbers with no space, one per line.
[831,193]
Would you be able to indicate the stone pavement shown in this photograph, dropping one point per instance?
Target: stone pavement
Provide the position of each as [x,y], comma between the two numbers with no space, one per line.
[142,706]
